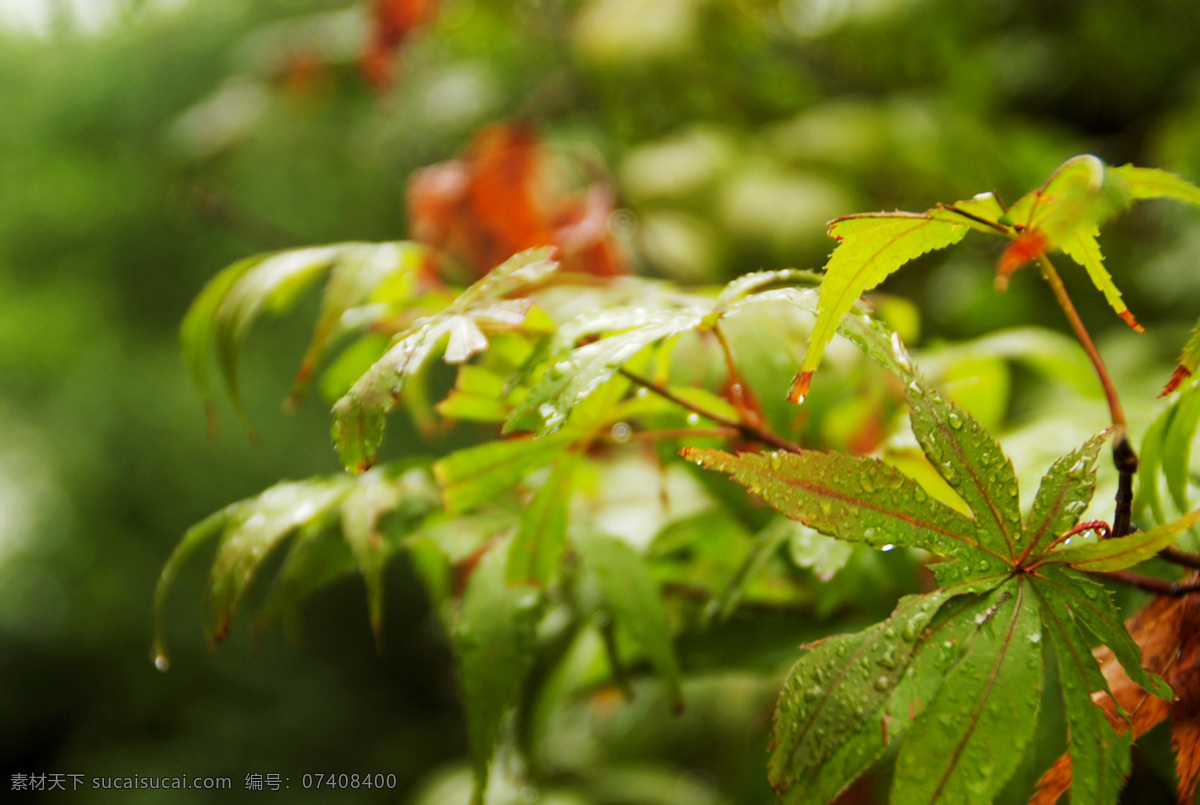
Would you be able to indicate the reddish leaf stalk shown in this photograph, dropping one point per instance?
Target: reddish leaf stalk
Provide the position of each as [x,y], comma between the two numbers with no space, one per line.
[1124,457]
[748,431]
[1150,584]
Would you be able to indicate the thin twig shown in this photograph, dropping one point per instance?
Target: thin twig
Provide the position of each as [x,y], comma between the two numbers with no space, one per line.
[1085,340]
[1150,584]
[739,390]
[748,431]
[1180,557]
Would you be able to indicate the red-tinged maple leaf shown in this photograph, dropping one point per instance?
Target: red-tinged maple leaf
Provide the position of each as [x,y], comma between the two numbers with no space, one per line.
[391,22]
[1168,632]
[1025,248]
[500,198]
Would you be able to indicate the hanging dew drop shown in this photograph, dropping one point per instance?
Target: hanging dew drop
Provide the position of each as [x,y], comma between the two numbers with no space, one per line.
[887,547]
[161,662]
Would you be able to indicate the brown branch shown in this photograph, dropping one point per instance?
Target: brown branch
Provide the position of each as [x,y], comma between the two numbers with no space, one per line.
[1180,557]
[748,431]
[1150,584]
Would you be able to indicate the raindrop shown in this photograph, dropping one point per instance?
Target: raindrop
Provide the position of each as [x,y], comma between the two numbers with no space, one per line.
[955,420]
[161,662]
[865,482]
[1035,638]
[869,534]
[882,683]
[887,547]
[919,495]
[776,461]
[693,419]
[621,432]
[813,693]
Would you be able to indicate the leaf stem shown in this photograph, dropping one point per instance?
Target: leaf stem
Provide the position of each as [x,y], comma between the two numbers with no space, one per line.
[1150,584]
[747,430]
[740,393]
[1085,340]
[1124,456]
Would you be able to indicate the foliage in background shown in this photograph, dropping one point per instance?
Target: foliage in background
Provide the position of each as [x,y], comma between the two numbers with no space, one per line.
[139,158]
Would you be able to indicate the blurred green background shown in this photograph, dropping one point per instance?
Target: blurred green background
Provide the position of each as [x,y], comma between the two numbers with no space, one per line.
[145,145]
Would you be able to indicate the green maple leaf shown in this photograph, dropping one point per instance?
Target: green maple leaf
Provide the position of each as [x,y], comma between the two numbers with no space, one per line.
[1064,214]
[955,672]
[334,525]
[359,415]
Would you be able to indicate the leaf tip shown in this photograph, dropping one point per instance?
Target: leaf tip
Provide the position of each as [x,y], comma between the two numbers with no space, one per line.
[799,389]
[1128,318]
[1181,374]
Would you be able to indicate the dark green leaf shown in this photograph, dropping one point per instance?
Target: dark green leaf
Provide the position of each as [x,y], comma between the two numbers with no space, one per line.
[1099,754]
[495,642]
[541,538]
[375,494]
[631,598]
[1093,607]
[838,684]
[968,742]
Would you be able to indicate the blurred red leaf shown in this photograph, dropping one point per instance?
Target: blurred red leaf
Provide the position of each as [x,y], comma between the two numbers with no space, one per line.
[503,196]
[391,22]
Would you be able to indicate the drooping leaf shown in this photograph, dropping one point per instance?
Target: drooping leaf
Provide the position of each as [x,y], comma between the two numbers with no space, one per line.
[1082,247]
[1166,632]
[376,493]
[1123,552]
[541,538]
[1099,753]
[253,529]
[196,332]
[870,248]
[359,415]
[359,272]
[335,522]
[631,598]
[967,743]
[494,641]
[1093,607]
[272,284]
